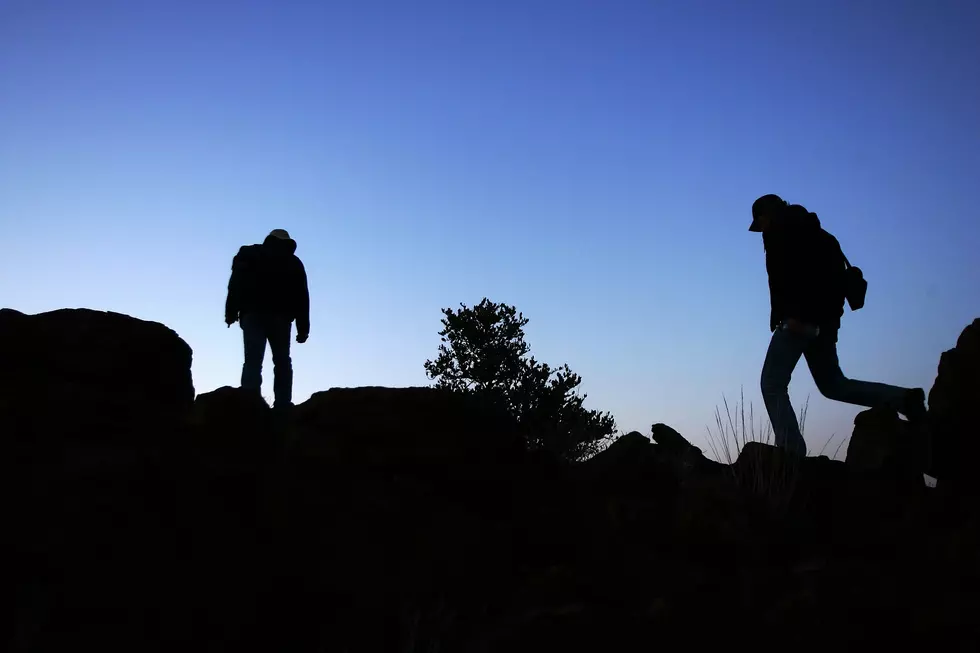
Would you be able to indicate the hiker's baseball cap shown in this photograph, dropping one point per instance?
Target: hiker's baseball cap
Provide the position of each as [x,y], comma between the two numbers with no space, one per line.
[281,234]
[765,205]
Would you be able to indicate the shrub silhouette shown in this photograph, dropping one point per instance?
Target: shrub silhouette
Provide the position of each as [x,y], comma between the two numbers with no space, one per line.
[484,351]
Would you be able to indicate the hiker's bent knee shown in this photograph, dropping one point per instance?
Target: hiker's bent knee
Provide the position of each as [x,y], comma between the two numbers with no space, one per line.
[831,383]
[833,389]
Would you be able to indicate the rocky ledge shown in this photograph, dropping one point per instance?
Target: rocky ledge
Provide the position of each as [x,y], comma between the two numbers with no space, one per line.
[145,518]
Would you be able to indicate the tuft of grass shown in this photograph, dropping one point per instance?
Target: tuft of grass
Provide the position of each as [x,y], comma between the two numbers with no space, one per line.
[738,426]
[826,446]
[774,481]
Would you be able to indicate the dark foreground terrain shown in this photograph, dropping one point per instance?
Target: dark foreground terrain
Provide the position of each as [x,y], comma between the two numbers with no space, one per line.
[143,518]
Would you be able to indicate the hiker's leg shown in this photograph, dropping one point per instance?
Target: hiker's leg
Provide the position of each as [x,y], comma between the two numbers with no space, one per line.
[253,335]
[280,329]
[830,380]
[784,353]
[821,357]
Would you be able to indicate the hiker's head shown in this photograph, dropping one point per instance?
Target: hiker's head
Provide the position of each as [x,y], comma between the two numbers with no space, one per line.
[279,239]
[765,211]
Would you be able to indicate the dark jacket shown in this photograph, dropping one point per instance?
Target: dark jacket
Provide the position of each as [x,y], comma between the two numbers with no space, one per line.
[806,271]
[269,278]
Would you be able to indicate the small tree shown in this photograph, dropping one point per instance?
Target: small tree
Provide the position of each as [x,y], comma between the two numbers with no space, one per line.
[483,350]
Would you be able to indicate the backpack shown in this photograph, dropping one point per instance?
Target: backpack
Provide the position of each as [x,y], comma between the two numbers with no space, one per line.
[855,285]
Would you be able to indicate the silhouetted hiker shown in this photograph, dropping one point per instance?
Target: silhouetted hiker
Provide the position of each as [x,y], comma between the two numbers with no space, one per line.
[809,280]
[266,292]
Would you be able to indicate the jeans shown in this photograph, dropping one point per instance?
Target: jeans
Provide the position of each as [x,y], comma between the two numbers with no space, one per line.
[820,351]
[257,328]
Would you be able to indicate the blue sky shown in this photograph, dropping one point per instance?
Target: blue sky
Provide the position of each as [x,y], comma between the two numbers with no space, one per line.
[590,162]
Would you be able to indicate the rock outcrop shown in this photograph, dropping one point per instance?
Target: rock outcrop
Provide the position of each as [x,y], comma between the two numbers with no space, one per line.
[408,519]
[953,400]
[81,375]
[887,447]
[408,427]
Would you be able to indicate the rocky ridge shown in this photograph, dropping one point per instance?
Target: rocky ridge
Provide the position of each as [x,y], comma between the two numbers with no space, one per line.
[147,518]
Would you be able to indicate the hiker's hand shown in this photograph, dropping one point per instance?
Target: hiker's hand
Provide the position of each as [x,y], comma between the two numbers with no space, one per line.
[302,337]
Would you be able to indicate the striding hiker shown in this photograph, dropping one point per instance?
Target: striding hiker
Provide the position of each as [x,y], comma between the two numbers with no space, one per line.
[266,292]
[809,281]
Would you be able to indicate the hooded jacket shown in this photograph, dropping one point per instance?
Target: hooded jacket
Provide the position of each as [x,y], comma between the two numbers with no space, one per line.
[269,278]
[806,271]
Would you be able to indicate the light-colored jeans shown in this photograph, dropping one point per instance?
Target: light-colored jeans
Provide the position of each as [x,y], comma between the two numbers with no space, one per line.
[820,352]
[257,329]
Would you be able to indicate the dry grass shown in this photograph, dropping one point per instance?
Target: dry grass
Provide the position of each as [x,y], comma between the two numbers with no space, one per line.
[772,479]
[826,446]
[737,427]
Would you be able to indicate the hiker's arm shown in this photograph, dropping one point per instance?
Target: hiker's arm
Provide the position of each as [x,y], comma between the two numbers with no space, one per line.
[302,300]
[232,301]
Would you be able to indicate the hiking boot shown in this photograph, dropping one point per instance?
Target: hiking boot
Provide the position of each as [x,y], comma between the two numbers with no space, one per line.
[914,405]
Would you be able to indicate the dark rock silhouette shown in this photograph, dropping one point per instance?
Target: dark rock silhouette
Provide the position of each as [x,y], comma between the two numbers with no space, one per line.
[888,447]
[231,424]
[409,427]
[84,375]
[111,350]
[953,403]
[411,519]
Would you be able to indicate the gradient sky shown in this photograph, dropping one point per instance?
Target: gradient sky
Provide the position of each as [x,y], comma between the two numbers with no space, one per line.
[591,162]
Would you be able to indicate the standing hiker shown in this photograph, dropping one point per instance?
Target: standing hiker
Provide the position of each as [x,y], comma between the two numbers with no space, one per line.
[266,292]
[809,281]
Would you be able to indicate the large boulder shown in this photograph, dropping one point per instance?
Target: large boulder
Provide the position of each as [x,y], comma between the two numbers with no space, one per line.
[769,473]
[672,446]
[627,481]
[788,485]
[632,450]
[230,415]
[631,464]
[79,374]
[233,427]
[407,427]
[86,398]
[885,447]
[953,402]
